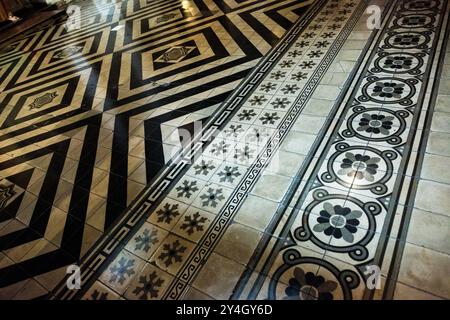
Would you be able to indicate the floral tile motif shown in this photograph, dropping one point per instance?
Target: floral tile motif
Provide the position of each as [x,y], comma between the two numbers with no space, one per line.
[149,284]
[98,291]
[186,191]
[228,174]
[212,197]
[172,253]
[169,211]
[146,240]
[247,115]
[234,131]
[219,149]
[244,154]
[204,168]
[258,136]
[270,119]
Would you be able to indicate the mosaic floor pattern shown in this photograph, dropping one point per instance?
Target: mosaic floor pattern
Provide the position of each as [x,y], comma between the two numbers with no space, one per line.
[133,148]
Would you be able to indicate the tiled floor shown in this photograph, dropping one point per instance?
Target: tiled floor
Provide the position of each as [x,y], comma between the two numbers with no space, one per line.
[131,148]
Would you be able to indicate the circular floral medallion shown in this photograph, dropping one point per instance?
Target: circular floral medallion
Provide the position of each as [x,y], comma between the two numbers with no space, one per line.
[359,166]
[399,63]
[388,90]
[376,124]
[310,286]
[310,278]
[340,222]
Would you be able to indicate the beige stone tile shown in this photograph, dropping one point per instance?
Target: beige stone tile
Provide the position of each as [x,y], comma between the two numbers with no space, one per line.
[286,163]
[441,122]
[438,143]
[256,212]
[298,142]
[404,292]
[443,103]
[318,107]
[436,168]
[194,294]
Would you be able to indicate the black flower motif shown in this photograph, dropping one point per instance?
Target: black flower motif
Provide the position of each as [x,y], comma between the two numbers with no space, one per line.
[212,197]
[359,166]
[234,130]
[172,253]
[244,154]
[338,222]
[290,89]
[302,44]
[328,35]
[246,114]
[321,44]
[375,123]
[287,64]
[407,40]
[228,174]
[186,190]
[315,54]
[280,103]
[295,54]
[257,100]
[308,286]
[388,90]
[270,118]
[149,286]
[334,27]
[204,167]
[307,64]
[398,62]
[267,87]
[309,35]
[219,148]
[193,223]
[299,76]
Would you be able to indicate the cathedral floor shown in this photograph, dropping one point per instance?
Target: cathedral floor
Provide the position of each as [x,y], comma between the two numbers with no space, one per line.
[228,149]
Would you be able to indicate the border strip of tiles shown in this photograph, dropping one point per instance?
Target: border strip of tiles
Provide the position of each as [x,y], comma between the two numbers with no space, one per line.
[210,239]
[412,192]
[288,197]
